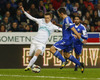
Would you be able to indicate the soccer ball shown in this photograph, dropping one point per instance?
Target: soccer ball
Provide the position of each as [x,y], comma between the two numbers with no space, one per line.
[36,69]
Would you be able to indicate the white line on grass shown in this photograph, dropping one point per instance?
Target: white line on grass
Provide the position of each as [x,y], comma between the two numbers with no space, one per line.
[48,77]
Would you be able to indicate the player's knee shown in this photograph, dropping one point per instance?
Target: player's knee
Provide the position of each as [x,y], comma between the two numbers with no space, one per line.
[52,49]
[38,52]
[67,55]
[77,56]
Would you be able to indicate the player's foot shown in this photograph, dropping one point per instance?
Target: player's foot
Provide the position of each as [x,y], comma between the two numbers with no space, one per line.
[75,69]
[82,67]
[27,68]
[63,64]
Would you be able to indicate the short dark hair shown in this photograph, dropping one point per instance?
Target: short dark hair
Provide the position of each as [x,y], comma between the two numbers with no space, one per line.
[2,25]
[78,17]
[14,22]
[50,4]
[41,0]
[62,10]
[48,13]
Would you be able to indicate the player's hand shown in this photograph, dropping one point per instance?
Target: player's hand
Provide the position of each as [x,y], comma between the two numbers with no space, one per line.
[54,22]
[21,7]
[84,41]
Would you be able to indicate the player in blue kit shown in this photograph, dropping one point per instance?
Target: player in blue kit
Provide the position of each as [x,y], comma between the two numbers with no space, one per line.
[78,45]
[67,41]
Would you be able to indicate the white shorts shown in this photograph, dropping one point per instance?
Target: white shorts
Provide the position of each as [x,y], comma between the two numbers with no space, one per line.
[35,45]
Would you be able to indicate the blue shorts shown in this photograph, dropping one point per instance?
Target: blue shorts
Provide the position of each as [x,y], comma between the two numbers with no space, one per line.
[65,45]
[78,49]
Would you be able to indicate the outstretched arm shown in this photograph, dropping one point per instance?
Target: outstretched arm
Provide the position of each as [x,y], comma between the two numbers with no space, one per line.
[56,24]
[57,28]
[28,15]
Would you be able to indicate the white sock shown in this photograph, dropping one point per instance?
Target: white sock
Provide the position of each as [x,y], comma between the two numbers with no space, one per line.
[32,61]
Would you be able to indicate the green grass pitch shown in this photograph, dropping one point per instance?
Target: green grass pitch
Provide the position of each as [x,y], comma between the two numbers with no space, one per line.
[50,74]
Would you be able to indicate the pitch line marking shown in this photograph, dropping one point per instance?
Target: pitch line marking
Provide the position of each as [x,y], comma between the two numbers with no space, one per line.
[48,77]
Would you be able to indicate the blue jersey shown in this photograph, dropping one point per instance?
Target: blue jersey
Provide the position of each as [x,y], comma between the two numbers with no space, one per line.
[80,29]
[66,44]
[66,29]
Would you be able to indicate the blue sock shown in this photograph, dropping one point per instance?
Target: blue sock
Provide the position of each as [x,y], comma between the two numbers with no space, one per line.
[73,59]
[78,60]
[58,55]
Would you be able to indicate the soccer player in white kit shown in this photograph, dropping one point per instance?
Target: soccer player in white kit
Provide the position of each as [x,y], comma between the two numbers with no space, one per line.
[39,41]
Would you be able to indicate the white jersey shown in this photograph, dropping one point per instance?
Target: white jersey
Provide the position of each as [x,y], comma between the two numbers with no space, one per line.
[45,29]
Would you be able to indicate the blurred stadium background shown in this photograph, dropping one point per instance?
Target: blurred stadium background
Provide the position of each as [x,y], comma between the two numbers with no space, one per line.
[16,31]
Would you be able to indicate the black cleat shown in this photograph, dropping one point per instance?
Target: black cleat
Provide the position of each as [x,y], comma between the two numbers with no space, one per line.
[63,64]
[76,69]
[82,67]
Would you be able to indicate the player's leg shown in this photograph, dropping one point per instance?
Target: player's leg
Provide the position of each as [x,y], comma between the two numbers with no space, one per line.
[40,48]
[78,50]
[78,58]
[56,53]
[36,48]
[33,60]
[67,54]
[31,53]
[73,59]
[56,48]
